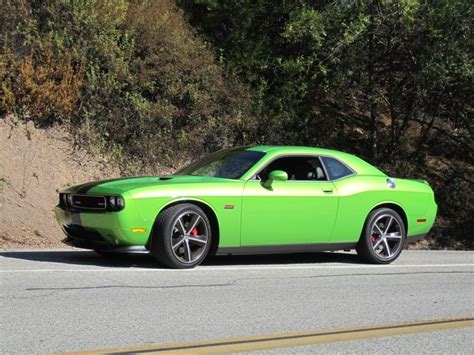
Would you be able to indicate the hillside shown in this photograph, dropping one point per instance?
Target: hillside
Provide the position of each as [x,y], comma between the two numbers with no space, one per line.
[34,165]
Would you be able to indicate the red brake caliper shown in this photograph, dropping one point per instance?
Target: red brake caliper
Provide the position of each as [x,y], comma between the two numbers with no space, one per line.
[373,238]
[194,231]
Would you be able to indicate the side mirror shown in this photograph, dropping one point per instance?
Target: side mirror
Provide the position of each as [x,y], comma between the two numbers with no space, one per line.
[276,175]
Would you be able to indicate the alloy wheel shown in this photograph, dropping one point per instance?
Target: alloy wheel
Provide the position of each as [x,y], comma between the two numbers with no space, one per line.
[386,236]
[190,236]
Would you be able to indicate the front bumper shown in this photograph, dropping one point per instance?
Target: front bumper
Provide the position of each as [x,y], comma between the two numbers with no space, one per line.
[87,244]
[100,230]
[79,237]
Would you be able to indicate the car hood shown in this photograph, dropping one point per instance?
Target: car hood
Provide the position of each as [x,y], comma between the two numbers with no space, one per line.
[118,186]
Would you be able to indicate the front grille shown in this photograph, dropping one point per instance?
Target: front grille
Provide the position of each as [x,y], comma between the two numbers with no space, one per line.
[89,202]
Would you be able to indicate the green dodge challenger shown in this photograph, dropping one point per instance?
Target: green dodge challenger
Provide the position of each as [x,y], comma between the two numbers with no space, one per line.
[251,200]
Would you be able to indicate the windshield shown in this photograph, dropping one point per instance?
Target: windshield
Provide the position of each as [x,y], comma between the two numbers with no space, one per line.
[227,163]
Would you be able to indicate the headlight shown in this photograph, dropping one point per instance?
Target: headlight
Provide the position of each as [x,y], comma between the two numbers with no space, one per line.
[63,200]
[69,199]
[112,202]
[115,203]
[120,202]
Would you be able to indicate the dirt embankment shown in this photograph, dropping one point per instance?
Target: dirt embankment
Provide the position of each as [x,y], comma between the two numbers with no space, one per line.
[34,165]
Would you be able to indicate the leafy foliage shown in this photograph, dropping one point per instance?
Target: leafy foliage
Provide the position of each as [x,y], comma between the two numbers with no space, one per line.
[391,81]
[43,85]
[129,74]
[160,83]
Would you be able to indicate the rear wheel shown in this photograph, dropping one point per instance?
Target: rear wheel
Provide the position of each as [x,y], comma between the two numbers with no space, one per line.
[383,237]
[182,236]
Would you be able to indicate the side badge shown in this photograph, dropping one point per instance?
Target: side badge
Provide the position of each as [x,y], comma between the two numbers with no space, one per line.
[229,207]
[391,183]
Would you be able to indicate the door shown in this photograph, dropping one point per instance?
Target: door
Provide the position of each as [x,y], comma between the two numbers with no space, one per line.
[301,210]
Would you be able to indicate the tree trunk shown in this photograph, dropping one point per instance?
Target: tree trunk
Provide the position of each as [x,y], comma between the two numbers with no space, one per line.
[371,84]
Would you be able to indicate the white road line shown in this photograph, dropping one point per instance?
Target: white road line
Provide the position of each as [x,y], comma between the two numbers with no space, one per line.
[240,268]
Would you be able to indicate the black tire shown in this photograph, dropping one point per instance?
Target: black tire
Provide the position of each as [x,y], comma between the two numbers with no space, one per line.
[372,247]
[166,233]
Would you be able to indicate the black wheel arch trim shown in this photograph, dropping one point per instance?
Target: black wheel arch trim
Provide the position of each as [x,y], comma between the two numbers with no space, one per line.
[208,210]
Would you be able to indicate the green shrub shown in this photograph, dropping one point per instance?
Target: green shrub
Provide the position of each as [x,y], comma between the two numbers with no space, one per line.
[127,74]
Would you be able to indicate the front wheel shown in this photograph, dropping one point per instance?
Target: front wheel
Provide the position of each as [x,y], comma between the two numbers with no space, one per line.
[383,237]
[182,236]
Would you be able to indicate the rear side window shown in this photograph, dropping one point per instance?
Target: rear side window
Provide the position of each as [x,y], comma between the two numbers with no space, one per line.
[335,168]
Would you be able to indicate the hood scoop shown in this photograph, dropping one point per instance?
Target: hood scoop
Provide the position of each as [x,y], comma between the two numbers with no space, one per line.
[164,178]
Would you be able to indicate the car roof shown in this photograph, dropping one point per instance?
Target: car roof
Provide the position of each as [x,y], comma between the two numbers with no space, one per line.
[360,166]
[291,149]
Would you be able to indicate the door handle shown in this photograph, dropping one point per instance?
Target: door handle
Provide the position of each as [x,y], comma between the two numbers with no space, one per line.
[327,190]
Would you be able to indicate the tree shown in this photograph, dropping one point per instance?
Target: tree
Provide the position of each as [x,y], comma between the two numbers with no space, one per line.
[389,80]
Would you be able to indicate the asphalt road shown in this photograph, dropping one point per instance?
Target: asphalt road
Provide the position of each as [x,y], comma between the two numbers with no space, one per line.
[55,301]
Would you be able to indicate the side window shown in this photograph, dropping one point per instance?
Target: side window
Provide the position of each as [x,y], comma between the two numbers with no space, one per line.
[297,168]
[335,168]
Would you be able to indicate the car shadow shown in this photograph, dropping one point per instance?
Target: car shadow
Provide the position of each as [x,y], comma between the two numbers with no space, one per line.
[84,257]
[79,257]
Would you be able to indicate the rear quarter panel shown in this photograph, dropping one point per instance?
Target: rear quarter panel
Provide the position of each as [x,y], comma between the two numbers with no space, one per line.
[360,194]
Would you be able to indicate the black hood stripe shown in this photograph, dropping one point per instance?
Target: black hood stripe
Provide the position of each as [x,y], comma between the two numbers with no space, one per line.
[84,188]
